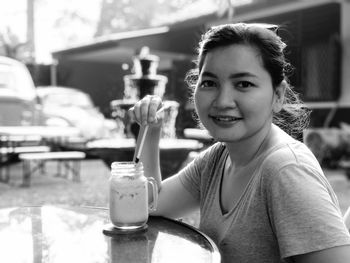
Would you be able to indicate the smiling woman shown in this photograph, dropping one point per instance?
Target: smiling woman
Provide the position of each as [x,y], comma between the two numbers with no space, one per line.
[262,195]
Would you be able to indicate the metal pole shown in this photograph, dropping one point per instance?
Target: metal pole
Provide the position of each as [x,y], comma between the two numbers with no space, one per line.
[31,29]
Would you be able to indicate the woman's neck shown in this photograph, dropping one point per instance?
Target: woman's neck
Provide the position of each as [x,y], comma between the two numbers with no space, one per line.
[242,152]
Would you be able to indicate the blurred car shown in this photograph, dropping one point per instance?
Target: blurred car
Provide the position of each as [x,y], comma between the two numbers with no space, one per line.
[65,106]
[18,105]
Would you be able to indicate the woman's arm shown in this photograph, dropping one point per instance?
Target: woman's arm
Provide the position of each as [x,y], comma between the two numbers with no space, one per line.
[173,199]
[150,155]
[144,112]
[305,215]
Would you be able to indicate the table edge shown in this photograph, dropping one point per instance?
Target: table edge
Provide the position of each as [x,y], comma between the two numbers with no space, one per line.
[216,256]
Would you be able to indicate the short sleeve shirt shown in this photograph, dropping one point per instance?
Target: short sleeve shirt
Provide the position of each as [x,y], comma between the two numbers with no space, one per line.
[288,207]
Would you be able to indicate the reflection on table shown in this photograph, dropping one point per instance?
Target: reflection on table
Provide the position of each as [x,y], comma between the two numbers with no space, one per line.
[50,234]
[173,152]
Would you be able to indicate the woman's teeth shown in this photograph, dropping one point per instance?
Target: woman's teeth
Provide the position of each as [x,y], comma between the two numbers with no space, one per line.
[225,118]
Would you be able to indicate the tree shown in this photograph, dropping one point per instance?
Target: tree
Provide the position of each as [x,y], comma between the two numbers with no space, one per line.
[122,15]
[10,46]
[63,24]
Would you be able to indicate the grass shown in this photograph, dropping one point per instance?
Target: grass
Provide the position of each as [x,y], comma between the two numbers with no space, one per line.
[93,188]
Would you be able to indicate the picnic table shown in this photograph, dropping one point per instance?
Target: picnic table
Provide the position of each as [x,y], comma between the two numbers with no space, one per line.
[34,144]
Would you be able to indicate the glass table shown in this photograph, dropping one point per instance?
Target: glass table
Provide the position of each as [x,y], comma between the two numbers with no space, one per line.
[75,234]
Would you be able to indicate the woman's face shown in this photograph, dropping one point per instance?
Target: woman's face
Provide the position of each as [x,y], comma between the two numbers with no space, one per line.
[234,96]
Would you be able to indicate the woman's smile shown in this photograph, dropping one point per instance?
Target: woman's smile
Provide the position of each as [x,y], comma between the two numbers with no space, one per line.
[224,120]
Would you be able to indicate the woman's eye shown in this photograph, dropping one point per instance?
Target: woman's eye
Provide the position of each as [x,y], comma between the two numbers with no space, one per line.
[207,84]
[244,84]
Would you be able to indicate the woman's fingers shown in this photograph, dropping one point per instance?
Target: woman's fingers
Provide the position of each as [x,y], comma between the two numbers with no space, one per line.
[155,103]
[145,111]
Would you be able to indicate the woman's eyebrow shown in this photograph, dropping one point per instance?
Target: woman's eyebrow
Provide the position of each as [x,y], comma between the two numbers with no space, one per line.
[242,74]
[232,76]
[208,74]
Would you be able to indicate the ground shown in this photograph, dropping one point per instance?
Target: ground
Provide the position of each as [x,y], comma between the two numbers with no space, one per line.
[93,188]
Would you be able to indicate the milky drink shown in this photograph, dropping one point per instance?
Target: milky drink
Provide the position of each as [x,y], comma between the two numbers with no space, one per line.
[128,201]
[128,195]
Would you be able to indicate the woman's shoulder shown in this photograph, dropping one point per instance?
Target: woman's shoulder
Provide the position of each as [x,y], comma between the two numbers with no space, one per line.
[286,152]
[290,166]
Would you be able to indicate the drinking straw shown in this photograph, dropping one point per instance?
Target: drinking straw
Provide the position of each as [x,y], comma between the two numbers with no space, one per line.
[140,142]
[141,139]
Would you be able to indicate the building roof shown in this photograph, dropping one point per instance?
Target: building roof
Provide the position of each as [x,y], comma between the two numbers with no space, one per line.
[175,41]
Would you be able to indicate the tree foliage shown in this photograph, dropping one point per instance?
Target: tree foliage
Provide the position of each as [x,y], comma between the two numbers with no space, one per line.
[121,15]
[11,46]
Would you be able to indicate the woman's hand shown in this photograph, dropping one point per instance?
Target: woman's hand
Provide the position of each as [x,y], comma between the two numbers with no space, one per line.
[145,110]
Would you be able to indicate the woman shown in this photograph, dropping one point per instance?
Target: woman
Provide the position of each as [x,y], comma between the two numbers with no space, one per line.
[262,194]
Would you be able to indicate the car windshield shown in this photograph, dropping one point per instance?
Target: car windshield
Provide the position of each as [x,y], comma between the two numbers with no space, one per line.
[7,78]
[17,79]
[68,99]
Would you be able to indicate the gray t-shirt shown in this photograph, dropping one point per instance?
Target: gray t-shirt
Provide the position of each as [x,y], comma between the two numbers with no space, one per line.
[288,207]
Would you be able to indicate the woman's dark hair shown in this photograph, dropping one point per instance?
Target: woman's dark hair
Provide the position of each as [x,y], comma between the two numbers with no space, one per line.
[294,116]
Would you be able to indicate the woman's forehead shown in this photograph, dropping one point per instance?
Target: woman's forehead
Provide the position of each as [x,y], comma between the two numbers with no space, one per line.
[235,61]
[237,55]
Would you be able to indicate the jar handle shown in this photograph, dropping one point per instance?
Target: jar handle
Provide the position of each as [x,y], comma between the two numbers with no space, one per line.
[153,183]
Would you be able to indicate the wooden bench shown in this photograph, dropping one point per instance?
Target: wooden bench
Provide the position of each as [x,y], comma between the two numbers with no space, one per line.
[8,153]
[31,149]
[69,161]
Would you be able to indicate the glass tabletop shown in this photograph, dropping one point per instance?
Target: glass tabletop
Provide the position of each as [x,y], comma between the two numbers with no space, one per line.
[75,234]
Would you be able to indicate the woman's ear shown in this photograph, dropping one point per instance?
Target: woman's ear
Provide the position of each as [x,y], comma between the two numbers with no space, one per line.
[279,96]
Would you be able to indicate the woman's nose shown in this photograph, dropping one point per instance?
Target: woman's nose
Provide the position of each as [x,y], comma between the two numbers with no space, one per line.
[225,97]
